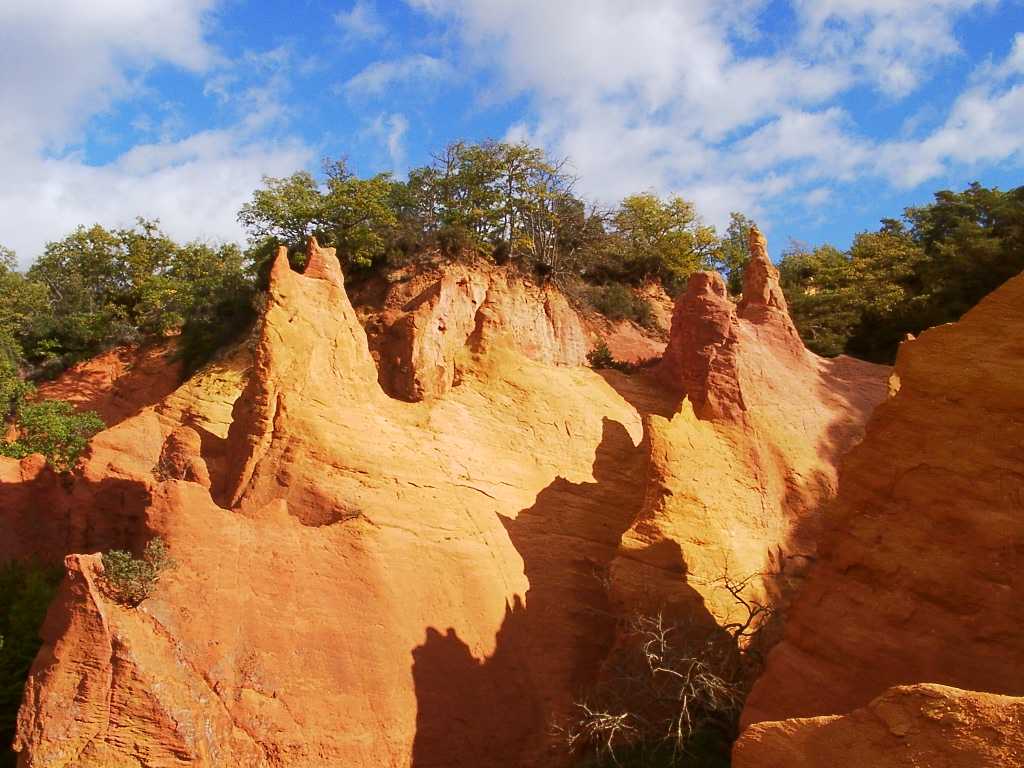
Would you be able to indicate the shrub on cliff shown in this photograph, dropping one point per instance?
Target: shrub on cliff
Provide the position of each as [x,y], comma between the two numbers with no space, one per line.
[617,302]
[55,429]
[601,357]
[130,580]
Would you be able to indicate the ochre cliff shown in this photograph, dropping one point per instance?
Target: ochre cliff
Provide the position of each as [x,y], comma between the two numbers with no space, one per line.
[363,581]
[920,567]
[429,322]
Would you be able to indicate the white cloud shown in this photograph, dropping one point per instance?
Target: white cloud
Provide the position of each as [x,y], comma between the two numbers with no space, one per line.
[194,186]
[390,130]
[984,126]
[66,61]
[658,94]
[893,42]
[361,23]
[374,79]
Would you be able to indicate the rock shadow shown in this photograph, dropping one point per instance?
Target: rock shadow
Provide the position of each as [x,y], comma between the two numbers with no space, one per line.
[498,711]
[52,515]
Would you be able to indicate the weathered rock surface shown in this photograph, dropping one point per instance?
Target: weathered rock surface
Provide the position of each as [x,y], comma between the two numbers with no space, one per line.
[372,582]
[701,358]
[119,383]
[918,725]
[922,560]
[434,320]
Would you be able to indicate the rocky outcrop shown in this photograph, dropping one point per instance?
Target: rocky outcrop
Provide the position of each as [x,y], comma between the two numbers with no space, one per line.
[434,321]
[920,567]
[377,557]
[114,690]
[181,458]
[763,302]
[740,470]
[925,725]
[702,356]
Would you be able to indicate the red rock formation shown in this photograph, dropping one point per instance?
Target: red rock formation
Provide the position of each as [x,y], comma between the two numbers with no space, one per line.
[382,555]
[919,725]
[920,567]
[406,584]
[701,356]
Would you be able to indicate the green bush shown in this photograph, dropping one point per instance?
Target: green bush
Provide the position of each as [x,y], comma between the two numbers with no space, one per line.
[130,580]
[13,389]
[55,429]
[617,302]
[26,591]
[601,357]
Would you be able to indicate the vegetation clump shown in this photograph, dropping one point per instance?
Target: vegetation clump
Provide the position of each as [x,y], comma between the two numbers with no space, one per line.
[601,357]
[53,428]
[130,580]
[672,690]
[617,302]
[925,269]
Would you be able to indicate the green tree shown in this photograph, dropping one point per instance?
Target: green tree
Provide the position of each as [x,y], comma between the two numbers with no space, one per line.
[661,238]
[818,286]
[925,269]
[95,280]
[354,215]
[24,310]
[733,251]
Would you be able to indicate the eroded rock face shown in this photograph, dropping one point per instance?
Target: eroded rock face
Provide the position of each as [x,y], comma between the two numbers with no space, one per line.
[920,567]
[926,725]
[701,356]
[119,383]
[181,458]
[113,690]
[379,557]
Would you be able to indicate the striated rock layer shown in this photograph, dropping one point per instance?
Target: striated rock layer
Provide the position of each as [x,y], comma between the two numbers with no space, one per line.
[921,563]
[363,581]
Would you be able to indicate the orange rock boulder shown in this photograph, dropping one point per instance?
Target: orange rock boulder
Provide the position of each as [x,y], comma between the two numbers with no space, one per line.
[918,725]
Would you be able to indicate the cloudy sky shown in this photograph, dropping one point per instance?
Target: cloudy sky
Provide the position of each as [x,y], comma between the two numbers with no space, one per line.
[816,117]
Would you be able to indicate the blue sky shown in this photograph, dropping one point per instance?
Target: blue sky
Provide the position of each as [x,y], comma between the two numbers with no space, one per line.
[815,117]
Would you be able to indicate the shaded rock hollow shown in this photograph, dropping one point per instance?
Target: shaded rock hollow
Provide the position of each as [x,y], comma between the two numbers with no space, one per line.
[372,582]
